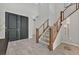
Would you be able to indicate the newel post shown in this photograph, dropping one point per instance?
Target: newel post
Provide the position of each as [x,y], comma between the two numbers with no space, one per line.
[61,16]
[77,6]
[50,46]
[37,35]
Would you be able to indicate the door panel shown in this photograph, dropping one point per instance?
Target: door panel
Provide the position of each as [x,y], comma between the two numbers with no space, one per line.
[12,21]
[24,28]
[12,34]
[12,27]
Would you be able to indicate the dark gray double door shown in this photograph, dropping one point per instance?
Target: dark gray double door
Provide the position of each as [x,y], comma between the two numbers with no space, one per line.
[16,26]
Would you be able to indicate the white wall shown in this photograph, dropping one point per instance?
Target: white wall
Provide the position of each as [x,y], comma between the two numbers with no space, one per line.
[2,25]
[54,11]
[73,29]
[29,10]
[43,13]
[42,16]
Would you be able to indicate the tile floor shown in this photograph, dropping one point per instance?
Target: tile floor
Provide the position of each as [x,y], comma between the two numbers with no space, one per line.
[30,47]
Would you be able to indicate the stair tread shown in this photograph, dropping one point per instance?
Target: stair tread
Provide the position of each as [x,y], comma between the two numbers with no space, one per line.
[44,39]
[41,41]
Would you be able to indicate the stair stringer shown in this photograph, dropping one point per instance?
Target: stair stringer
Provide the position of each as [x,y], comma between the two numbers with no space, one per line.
[58,39]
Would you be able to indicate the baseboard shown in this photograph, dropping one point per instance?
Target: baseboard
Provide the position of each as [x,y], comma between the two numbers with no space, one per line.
[70,43]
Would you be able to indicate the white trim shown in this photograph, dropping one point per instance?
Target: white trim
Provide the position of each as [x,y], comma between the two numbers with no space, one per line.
[70,43]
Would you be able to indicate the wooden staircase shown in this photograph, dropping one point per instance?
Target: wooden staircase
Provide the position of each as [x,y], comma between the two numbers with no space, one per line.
[47,34]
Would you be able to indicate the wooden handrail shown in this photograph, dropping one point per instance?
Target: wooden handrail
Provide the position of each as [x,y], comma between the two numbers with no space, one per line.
[69,15]
[77,7]
[37,35]
[43,23]
[44,29]
[43,32]
[68,6]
